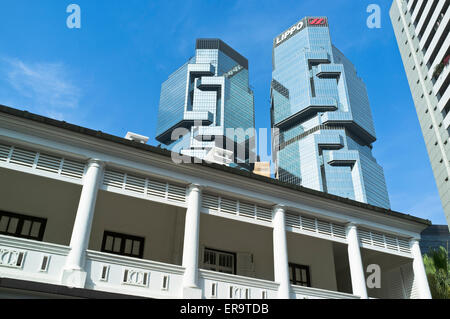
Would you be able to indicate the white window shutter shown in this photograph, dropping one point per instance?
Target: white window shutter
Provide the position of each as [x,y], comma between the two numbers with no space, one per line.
[245,265]
[395,285]
[409,282]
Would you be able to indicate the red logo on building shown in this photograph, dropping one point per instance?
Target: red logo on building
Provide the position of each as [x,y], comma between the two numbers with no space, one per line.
[317,21]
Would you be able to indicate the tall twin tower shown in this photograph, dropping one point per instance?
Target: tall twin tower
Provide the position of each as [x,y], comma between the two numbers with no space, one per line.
[319,109]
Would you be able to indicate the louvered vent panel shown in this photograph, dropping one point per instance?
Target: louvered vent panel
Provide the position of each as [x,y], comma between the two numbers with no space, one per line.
[315,225]
[72,169]
[403,245]
[231,206]
[177,193]
[292,220]
[49,163]
[378,240]
[247,210]
[156,189]
[23,157]
[228,206]
[308,224]
[210,202]
[135,184]
[44,162]
[324,227]
[264,214]
[339,231]
[364,237]
[145,186]
[391,243]
[113,179]
[4,152]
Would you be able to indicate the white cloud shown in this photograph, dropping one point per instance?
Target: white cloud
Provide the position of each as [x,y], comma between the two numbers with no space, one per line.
[45,86]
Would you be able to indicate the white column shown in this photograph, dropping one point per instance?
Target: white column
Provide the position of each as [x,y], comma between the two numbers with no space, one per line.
[420,274]
[191,243]
[355,262]
[74,274]
[280,253]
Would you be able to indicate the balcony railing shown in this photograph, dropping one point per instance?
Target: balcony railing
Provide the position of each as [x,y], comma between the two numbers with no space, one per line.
[31,260]
[44,262]
[132,276]
[225,286]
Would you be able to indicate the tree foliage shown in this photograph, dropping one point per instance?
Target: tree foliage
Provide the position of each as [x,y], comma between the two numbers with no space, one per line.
[438,272]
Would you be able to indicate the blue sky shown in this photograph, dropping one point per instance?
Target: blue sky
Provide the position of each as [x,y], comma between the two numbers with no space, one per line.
[107,75]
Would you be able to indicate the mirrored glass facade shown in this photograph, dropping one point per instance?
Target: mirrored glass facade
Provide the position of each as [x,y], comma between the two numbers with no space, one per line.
[322,111]
[205,98]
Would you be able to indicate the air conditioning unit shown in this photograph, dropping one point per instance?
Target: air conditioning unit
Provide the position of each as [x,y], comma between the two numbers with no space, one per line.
[137,138]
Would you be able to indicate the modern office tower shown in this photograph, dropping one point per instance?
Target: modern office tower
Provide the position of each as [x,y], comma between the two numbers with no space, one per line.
[322,111]
[422,32]
[433,237]
[206,99]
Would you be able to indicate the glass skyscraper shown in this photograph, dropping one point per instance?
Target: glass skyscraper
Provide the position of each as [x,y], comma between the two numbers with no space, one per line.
[203,99]
[322,111]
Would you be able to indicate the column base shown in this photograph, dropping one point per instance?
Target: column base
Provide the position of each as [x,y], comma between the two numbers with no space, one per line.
[284,293]
[74,278]
[192,293]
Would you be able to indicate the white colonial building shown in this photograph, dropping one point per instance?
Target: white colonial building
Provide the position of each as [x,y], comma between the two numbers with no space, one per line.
[87,214]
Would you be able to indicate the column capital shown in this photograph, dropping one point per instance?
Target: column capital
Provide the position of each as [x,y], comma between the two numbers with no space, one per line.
[94,162]
[195,187]
[414,241]
[351,225]
[279,207]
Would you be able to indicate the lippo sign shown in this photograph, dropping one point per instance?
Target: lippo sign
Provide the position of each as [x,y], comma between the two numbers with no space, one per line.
[305,22]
